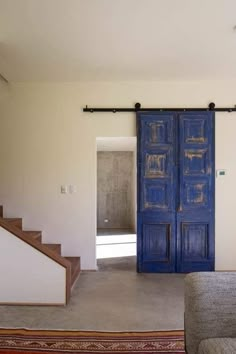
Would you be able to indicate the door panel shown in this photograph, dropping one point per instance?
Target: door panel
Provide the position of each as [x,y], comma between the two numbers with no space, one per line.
[195,246]
[156,195]
[195,214]
[196,252]
[195,241]
[195,194]
[156,191]
[156,241]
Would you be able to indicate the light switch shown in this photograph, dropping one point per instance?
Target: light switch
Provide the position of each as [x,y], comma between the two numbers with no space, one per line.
[72,188]
[63,189]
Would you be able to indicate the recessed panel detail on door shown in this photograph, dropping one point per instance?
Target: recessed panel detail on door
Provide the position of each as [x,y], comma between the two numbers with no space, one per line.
[195,240]
[196,194]
[157,164]
[196,161]
[159,132]
[157,195]
[157,243]
[195,130]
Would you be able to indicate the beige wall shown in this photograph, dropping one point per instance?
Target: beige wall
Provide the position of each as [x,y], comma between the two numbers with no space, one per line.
[46,140]
[3,89]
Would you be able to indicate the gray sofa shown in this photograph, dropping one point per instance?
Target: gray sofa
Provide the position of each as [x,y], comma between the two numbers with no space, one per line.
[210,313]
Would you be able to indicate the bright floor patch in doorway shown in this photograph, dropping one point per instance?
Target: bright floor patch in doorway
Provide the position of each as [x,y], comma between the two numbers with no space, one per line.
[115,244]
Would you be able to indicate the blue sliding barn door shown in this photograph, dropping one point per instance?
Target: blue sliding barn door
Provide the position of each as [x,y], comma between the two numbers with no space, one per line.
[175,191]
[156,240]
[195,211]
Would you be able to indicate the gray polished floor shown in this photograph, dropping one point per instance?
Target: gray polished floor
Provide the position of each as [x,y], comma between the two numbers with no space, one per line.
[115,298]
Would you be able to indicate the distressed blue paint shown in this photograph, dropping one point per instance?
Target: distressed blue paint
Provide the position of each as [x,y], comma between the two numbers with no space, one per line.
[196,209]
[156,192]
[175,191]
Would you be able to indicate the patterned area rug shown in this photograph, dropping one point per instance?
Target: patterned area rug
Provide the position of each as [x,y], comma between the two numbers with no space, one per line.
[22,341]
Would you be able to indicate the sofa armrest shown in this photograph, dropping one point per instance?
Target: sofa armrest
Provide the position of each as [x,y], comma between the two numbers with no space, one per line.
[210,307]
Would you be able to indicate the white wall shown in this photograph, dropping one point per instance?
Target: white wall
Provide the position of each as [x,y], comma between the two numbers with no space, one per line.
[34,278]
[46,140]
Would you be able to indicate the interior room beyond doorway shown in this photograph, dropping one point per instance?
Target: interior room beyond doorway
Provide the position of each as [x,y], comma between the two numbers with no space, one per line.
[116,201]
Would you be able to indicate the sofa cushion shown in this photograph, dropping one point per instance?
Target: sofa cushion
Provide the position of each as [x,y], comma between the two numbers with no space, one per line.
[217,346]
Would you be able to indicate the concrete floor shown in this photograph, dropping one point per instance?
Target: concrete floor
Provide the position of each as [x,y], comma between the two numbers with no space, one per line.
[115,298]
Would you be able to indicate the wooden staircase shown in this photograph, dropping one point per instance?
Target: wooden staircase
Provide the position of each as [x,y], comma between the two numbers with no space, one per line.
[53,251]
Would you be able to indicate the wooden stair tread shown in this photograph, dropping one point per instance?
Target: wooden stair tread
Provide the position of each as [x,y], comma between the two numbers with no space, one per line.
[36,235]
[75,268]
[17,222]
[56,247]
[12,219]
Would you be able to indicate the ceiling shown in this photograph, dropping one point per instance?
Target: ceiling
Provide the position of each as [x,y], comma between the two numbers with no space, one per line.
[116,144]
[117,40]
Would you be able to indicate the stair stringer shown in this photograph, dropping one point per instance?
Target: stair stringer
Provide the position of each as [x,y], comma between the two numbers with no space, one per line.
[10,262]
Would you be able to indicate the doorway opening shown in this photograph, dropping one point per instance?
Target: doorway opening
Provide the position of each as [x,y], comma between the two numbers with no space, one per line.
[116,203]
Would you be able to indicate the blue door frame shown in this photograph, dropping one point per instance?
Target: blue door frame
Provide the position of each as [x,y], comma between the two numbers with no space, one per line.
[176,191]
